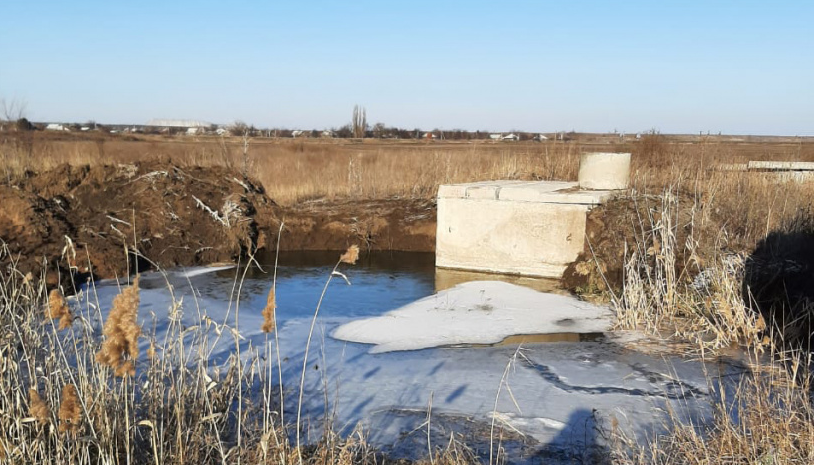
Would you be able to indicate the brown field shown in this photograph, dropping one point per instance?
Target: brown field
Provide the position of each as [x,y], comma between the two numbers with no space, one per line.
[295,170]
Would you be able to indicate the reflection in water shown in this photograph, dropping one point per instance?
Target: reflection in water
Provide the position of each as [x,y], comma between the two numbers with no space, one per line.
[445,278]
[527,339]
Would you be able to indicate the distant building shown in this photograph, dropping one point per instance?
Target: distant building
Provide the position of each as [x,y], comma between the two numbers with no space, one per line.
[178,123]
[496,136]
[511,137]
[56,127]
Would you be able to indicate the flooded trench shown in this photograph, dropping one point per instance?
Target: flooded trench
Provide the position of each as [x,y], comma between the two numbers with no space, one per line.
[554,396]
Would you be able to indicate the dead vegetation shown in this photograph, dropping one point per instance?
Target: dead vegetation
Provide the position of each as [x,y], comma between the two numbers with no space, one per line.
[671,254]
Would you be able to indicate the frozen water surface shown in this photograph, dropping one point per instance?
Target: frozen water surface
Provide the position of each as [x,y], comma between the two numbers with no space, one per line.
[554,402]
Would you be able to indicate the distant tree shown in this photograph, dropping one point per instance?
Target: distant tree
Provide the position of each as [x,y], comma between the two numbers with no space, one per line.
[359,122]
[379,130]
[239,128]
[13,110]
[345,132]
[23,125]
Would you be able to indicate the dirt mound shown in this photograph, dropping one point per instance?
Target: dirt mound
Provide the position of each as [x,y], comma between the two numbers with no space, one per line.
[80,219]
[170,215]
[620,225]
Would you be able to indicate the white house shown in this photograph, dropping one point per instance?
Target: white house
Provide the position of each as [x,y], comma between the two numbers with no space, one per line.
[496,136]
[55,127]
[511,136]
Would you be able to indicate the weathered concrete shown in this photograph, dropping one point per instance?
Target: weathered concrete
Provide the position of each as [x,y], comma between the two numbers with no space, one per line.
[600,170]
[781,165]
[515,227]
[774,171]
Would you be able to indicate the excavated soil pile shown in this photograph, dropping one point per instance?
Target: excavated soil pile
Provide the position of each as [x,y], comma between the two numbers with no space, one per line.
[80,219]
[72,217]
[620,225]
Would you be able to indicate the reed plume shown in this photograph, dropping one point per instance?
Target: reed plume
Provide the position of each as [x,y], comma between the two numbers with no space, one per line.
[58,308]
[121,333]
[351,255]
[269,312]
[70,412]
[37,407]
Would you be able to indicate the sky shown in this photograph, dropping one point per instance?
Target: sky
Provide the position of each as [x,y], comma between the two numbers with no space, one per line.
[741,67]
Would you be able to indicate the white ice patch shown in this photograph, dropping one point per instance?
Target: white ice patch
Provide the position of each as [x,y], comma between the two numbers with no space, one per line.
[197,271]
[479,312]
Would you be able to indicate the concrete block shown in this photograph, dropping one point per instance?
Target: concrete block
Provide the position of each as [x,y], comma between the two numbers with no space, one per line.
[524,228]
[601,170]
[781,165]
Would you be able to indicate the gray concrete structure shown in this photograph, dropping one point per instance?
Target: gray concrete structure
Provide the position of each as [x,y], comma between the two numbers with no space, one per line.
[514,227]
[601,170]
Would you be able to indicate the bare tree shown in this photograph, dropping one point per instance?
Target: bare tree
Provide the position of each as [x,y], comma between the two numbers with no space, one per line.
[359,122]
[12,111]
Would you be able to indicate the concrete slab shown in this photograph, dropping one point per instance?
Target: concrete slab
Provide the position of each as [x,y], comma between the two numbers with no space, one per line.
[604,170]
[781,165]
[515,227]
[525,191]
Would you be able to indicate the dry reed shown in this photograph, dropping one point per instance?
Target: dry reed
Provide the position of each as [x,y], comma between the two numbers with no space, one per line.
[121,333]
[58,308]
[269,312]
[37,408]
[70,410]
[351,255]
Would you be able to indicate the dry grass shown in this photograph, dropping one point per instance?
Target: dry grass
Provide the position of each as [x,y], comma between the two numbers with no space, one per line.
[766,418]
[175,408]
[296,170]
[683,281]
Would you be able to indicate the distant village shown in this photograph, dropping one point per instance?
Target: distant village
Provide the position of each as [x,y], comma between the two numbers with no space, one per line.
[202,128]
[179,127]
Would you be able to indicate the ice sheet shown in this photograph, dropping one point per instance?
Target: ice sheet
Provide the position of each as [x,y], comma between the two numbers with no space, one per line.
[555,399]
[478,312]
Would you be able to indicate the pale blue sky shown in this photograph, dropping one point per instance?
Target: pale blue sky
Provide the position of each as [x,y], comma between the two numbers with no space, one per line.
[742,67]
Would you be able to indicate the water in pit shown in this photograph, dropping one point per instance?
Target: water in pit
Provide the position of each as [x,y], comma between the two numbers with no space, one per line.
[554,397]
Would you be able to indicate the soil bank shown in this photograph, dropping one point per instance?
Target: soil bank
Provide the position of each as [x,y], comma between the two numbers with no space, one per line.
[106,221]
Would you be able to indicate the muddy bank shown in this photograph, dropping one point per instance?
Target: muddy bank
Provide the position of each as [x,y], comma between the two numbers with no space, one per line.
[81,220]
[408,225]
